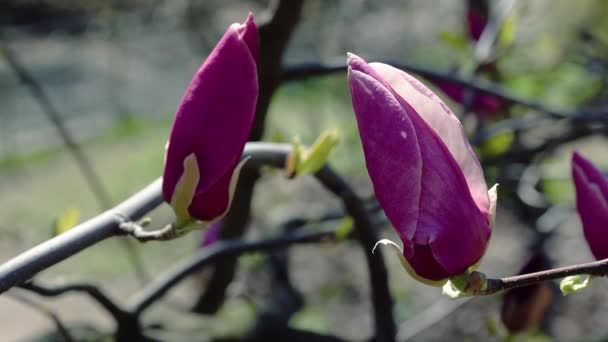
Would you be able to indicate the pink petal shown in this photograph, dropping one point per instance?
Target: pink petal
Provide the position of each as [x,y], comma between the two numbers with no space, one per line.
[449,219]
[445,124]
[392,155]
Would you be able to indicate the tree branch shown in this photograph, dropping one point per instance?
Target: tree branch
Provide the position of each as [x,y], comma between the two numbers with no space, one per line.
[90,290]
[29,263]
[596,268]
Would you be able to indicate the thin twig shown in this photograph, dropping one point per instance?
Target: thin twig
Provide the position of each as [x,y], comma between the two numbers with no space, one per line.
[98,295]
[221,249]
[596,268]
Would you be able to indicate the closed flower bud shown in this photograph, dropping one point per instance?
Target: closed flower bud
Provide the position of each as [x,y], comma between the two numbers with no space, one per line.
[211,127]
[424,172]
[592,204]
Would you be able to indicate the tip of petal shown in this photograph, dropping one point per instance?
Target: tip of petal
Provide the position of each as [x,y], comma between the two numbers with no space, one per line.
[355,62]
[249,23]
[577,157]
[247,32]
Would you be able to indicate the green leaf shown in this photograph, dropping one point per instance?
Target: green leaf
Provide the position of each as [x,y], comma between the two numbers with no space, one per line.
[508,31]
[498,144]
[575,283]
[66,221]
[344,228]
[455,41]
[312,160]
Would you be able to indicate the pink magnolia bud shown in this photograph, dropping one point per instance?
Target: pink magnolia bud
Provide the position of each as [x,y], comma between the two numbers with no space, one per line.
[477,18]
[213,123]
[424,172]
[592,204]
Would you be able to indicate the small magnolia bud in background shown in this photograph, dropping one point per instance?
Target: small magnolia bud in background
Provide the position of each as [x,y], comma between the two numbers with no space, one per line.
[477,18]
[424,172]
[592,204]
[212,234]
[211,127]
[526,308]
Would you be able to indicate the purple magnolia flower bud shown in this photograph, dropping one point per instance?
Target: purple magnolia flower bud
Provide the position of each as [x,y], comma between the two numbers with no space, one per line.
[424,172]
[592,204]
[212,125]
[477,18]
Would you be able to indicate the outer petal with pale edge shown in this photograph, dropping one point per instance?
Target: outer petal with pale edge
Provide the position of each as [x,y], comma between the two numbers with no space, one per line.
[431,195]
[214,120]
[592,204]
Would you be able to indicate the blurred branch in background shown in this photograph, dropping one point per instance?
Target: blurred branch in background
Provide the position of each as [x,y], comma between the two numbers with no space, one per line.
[307,70]
[82,161]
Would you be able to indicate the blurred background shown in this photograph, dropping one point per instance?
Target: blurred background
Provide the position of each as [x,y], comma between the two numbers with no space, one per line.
[114,72]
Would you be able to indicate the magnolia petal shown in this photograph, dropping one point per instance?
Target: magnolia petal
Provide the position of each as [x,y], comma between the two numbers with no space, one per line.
[232,187]
[444,123]
[391,149]
[592,205]
[248,34]
[406,265]
[185,189]
[449,221]
[213,204]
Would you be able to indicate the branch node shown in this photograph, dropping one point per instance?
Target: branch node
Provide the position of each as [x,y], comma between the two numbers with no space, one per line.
[136,230]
